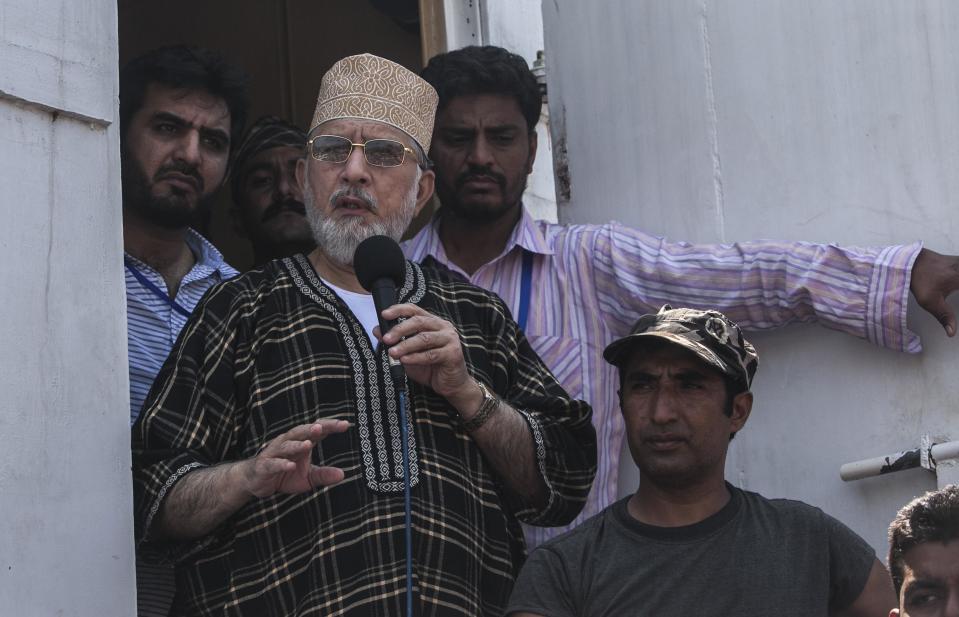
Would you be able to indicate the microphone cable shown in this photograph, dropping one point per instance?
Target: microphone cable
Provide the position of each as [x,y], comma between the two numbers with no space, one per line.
[407,510]
[380,268]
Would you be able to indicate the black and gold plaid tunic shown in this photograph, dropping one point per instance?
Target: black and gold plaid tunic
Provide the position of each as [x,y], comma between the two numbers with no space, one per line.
[276,348]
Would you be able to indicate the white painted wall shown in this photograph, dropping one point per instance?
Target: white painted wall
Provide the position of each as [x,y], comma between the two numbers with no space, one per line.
[65,491]
[516,25]
[817,120]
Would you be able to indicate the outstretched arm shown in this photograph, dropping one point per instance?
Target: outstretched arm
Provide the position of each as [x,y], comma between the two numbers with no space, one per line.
[764,284]
[202,499]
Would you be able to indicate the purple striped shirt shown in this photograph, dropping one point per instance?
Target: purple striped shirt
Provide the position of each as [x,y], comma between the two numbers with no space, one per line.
[591,282]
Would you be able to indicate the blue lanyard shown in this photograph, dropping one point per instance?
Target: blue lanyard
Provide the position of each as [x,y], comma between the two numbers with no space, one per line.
[525,286]
[156,290]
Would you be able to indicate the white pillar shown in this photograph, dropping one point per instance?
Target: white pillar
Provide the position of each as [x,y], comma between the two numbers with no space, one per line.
[66,540]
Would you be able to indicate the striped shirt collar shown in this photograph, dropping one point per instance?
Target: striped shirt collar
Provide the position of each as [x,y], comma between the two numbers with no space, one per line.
[208,259]
[526,234]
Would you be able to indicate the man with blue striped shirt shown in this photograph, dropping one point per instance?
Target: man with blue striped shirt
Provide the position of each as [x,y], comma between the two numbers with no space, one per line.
[181,109]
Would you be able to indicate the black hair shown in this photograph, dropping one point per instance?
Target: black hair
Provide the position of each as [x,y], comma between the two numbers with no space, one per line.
[180,66]
[485,70]
[934,517]
[421,159]
[734,387]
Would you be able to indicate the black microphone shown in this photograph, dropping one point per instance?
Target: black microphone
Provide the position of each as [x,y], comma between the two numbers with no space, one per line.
[380,267]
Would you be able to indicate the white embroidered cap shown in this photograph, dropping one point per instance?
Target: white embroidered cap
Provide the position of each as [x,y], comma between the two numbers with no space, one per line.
[372,88]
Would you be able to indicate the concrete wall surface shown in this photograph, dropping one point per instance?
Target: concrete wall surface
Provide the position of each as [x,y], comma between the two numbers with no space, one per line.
[827,121]
[66,543]
[517,25]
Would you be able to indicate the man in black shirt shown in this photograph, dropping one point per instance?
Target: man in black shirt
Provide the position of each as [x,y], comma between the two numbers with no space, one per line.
[687,542]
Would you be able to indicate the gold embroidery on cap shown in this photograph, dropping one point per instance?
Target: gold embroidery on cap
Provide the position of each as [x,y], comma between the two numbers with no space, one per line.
[373,88]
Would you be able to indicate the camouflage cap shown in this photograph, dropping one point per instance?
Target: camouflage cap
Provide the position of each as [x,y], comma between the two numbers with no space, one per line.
[709,334]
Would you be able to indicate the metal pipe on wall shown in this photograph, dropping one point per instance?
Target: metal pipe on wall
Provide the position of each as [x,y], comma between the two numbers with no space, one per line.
[940,458]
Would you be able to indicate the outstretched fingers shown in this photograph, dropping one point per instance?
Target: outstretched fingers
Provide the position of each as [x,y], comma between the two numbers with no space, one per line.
[314,430]
[325,476]
[301,438]
[284,465]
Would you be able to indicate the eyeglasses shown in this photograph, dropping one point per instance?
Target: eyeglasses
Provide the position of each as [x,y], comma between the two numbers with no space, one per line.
[378,152]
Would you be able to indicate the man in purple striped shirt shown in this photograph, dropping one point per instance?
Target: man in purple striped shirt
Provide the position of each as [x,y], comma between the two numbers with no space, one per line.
[576,288]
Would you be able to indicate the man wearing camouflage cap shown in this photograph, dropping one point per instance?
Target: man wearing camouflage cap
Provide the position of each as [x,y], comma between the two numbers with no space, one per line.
[268,204]
[269,462]
[688,542]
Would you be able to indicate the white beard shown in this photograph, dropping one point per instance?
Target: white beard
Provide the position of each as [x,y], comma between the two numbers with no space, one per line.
[338,238]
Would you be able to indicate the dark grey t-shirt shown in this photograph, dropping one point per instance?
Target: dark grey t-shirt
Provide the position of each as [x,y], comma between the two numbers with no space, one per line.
[756,556]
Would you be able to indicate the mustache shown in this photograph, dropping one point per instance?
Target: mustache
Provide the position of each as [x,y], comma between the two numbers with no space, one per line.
[477,172]
[182,168]
[279,206]
[354,192]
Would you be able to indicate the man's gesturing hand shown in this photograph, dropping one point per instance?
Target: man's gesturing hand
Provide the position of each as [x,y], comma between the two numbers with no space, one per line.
[934,277]
[429,348]
[284,465]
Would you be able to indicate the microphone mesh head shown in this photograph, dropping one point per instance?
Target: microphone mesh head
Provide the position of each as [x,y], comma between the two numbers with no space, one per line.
[379,257]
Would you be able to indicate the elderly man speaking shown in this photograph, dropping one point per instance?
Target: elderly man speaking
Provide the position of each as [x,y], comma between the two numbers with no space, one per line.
[269,462]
